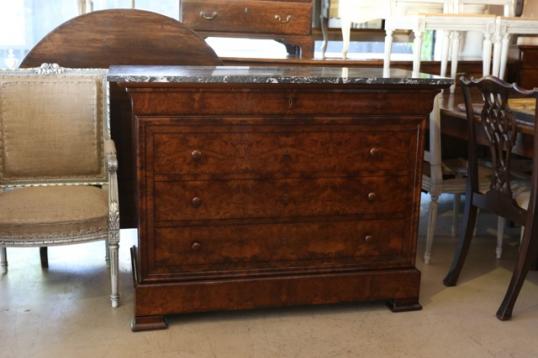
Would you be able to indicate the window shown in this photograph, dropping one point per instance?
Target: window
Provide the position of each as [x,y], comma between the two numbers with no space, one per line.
[23,23]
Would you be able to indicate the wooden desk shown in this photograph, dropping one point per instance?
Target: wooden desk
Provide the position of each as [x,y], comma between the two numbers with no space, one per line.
[277,186]
[288,21]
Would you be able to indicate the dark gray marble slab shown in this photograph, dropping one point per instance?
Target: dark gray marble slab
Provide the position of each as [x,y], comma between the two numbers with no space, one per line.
[269,74]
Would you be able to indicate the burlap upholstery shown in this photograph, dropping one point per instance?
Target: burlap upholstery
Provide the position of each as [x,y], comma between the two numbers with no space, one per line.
[58,165]
[51,128]
[54,212]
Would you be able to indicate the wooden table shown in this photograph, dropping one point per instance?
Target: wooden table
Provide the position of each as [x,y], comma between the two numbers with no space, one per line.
[276,186]
[454,124]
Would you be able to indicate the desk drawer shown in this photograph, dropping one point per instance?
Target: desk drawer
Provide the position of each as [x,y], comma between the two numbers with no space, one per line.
[243,199]
[287,245]
[190,152]
[275,17]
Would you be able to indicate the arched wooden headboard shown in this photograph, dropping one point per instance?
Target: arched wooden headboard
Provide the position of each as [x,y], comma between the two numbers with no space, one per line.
[121,37]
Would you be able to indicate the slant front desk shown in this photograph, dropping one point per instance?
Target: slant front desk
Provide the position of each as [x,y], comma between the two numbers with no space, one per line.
[275,186]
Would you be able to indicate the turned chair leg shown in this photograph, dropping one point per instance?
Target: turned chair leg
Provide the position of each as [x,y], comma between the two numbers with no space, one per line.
[107,253]
[432,221]
[3,260]
[469,221]
[44,256]
[527,254]
[114,274]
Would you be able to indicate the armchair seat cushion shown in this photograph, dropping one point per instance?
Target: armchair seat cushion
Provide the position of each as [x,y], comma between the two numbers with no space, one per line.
[34,213]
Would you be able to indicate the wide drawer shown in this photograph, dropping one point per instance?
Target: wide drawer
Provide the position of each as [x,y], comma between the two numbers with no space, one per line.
[267,100]
[191,152]
[276,17]
[286,245]
[242,199]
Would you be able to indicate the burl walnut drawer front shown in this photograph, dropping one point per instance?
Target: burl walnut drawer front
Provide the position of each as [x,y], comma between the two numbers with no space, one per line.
[289,151]
[241,199]
[281,17]
[197,248]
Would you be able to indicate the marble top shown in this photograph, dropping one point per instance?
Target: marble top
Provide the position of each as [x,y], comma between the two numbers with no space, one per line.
[269,74]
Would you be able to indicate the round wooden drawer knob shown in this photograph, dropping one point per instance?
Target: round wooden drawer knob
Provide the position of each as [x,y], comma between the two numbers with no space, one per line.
[196,245]
[373,152]
[371,196]
[196,155]
[196,202]
[368,238]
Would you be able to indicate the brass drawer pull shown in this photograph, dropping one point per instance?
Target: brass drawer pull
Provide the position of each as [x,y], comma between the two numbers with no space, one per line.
[281,20]
[196,246]
[209,17]
[371,196]
[374,152]
[196,202]
[368,238]
[196,156]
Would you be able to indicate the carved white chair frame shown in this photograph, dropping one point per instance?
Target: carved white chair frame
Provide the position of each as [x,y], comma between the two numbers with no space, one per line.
[108,183]
[506,27]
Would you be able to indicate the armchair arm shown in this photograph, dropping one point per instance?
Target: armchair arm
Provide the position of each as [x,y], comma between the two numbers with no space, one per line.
[110,154]
[113,199]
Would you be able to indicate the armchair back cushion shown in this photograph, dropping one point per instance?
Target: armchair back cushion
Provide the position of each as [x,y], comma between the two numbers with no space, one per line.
[51,127]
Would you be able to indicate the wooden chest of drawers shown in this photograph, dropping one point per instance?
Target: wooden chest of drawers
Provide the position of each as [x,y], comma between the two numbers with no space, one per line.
[277,193]
[287,20]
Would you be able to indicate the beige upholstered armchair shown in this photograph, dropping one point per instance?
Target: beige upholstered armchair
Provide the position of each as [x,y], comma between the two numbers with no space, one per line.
[58,165]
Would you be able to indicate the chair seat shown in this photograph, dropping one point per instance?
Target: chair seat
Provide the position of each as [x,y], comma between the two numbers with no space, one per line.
[455,176]
[35,213]
[521,191]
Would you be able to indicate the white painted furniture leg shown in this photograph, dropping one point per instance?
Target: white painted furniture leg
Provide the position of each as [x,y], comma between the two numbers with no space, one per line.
[455,215]
[325,32]
[346,35]
[417,52]
[445,38]
[501,222]
[455,57]
[497,55]
[107,253]
[486,55]
[3,260]
[436,174]
[504,55]
[388,50]
[114,274]
[432,220]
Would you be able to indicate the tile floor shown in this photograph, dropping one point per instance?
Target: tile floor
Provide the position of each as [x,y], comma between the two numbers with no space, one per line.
[65,312]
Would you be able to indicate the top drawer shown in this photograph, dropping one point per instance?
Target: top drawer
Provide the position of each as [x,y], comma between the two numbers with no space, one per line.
[280,17]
